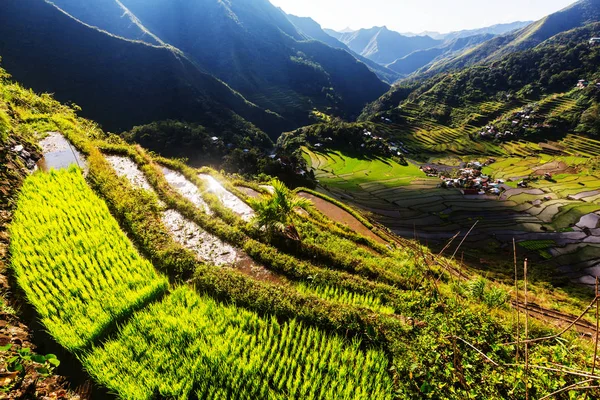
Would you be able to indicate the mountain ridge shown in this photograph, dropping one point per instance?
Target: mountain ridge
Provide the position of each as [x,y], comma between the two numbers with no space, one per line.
[253,48]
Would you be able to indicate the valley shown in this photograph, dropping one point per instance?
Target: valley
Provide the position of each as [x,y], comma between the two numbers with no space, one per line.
[221,200]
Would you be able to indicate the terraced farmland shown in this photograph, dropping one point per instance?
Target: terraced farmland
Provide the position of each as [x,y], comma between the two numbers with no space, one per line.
[77,268]
[544,211]
[328,313]
[581,146]
[343,171]
[191,346]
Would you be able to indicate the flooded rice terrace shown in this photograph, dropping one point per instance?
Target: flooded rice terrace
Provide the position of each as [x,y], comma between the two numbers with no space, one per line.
[229,200]
[186,188]
[59,153]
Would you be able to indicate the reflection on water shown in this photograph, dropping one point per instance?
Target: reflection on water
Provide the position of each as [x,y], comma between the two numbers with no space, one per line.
[228,199]
[59,154]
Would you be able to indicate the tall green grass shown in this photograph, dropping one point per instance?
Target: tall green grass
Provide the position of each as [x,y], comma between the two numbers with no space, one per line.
[342,296]
[77,268]
[189,345]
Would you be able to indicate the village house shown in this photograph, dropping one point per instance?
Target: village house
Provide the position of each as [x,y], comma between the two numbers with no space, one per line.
[582,84]
[595,40]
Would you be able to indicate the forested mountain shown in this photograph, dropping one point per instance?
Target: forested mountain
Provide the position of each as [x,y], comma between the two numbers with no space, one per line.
[253,47]
[576,15]
[553,67]
[119,82]
[312,30]
[384,46]
[418,59]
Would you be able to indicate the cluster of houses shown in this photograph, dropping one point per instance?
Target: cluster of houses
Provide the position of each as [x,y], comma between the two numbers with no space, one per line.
[469,179]
[491,132]
[595,41]
[524,118]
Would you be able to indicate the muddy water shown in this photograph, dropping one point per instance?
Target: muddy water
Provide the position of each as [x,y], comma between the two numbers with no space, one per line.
[338,214]
[126,168]
[59,154]
[208,247]
[228,199]
[211,249]
[186,188]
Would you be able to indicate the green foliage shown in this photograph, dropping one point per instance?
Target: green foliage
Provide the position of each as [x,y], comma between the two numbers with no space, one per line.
[22,361]
[494,297]
[274,211]
[75,265]
[190,345]
[355,138]
[5,126]
[342,296]
[200,144]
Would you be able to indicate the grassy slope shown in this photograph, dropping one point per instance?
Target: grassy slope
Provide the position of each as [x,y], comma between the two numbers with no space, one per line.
[427,361]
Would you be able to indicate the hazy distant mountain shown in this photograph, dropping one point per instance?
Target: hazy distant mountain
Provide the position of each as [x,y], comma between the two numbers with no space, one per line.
[574,16]
[498,29]
[338,34]
[384,46]
[248,44]
[418,59]
[312,30]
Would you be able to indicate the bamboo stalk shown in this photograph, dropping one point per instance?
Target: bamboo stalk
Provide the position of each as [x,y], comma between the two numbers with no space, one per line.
[567,388]
[465,238]
[477,350]
[517,294]
[449,244]
[526,333]
[597,326]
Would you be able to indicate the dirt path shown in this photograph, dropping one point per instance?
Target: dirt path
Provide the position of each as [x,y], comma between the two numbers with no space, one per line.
[338,214]
[557,318]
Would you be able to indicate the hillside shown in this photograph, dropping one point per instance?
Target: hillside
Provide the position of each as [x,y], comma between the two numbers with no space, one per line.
[143,82]
[184,295]
[108,15]
[252,47]
[574,16]
[384,46]
[420,58]
[312,30]
[525,119]
[554,66]
[497,29]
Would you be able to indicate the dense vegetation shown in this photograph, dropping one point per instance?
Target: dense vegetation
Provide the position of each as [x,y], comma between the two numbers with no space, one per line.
[555,66]
[337,315]
[201,145]
[190,345]
[77,268]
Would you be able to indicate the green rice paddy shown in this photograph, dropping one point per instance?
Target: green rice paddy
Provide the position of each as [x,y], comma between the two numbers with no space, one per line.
[349,172]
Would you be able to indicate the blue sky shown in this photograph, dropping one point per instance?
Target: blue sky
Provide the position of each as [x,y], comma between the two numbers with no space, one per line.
[420,15]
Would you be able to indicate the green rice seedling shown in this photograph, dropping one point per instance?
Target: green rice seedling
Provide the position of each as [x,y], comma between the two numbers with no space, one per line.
[77,268]
[340,295]
[190,345]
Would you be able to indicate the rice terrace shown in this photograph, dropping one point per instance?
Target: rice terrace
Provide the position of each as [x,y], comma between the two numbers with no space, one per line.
[222,200]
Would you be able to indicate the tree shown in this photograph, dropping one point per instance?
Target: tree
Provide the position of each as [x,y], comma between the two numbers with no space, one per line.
[274,212]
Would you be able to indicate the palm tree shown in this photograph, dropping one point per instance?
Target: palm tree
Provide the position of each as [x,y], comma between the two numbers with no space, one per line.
[274,211]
